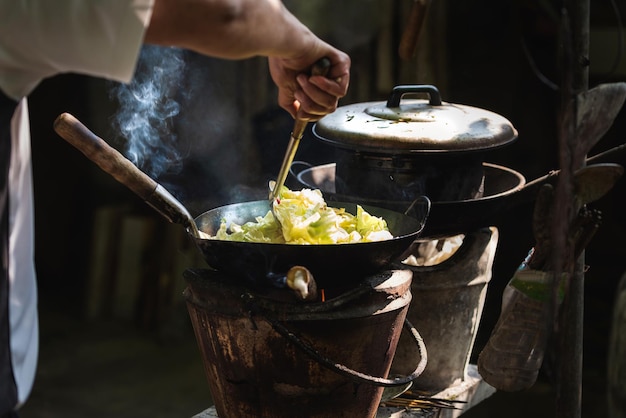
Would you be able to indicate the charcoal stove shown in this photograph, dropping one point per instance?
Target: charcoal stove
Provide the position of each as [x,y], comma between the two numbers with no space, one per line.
[267,355]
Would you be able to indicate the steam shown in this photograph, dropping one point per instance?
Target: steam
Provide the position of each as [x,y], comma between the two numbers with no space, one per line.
[147,108]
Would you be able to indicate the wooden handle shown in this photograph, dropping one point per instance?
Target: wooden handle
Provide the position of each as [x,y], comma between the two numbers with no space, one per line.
[111,161]
[410,36]
[321,67]
[106,157]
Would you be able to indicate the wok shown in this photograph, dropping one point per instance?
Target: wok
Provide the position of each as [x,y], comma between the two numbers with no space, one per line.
[332,265]
[504,190]
[328,263]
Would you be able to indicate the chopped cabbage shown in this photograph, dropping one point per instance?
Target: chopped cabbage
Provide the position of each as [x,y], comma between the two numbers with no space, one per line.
[303,217]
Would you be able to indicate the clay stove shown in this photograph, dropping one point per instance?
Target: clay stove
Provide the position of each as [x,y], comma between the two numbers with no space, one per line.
[267,356]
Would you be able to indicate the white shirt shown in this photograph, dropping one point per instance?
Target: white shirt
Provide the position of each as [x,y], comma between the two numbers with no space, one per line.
[40,39]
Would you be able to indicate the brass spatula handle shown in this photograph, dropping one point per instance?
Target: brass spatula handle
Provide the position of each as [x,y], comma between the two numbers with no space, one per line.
[321,67]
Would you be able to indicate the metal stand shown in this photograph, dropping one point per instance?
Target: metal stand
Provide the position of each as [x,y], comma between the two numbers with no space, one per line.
[472,390]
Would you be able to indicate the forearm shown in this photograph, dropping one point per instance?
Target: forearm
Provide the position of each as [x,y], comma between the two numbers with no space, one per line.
[231,28]
[236,29]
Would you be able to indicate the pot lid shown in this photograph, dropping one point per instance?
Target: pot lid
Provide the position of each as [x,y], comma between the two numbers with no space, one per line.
[414,126]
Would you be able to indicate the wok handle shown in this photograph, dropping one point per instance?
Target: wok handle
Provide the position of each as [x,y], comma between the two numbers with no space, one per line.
[111,161]
[105,156]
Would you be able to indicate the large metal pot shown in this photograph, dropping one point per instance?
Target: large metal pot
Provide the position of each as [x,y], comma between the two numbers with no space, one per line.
[401,149]
[332,265]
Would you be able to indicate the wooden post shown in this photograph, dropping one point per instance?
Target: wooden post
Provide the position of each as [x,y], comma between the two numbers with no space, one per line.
[616,378]
[575,71]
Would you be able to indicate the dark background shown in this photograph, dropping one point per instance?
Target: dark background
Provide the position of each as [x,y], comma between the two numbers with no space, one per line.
[475,56]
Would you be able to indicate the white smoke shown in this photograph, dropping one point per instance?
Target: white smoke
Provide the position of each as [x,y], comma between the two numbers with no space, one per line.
[148,106]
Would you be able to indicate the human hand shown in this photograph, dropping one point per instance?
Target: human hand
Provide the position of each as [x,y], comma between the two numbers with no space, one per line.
[310,97]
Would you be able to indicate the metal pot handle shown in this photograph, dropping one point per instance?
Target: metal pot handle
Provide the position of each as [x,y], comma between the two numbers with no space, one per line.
[345,371]
[399,91]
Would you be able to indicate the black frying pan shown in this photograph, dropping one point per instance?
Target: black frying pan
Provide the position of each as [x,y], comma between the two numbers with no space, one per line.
[347,263]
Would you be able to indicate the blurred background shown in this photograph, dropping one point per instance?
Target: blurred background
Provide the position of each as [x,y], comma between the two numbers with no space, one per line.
[116,339]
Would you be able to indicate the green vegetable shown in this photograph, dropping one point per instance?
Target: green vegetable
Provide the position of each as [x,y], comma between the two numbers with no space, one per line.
[303,217]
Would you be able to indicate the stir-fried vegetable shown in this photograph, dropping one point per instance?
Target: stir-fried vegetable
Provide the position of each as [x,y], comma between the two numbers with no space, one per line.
[303,217]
